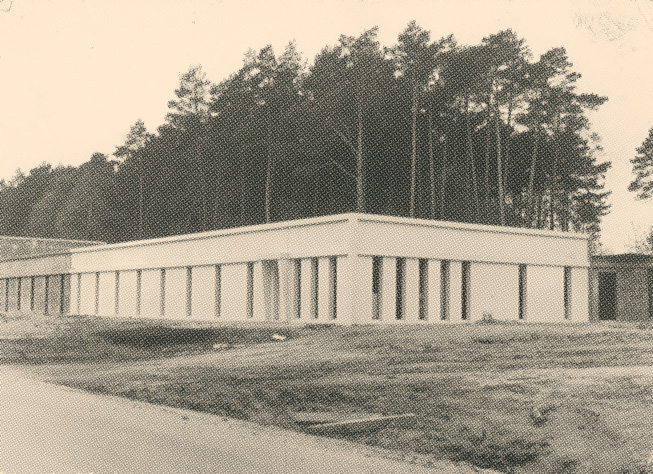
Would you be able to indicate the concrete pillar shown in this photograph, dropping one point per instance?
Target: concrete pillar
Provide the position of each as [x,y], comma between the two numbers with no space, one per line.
[204,290]
[455,290]
[26,295]
[234,292]
[324,298]
[579,295]
[412,290]
[433,291]
[308,284]
[151,293]
[388,289]
[175,293]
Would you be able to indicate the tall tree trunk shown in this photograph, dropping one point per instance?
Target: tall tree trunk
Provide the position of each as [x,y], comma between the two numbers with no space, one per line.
[431,165]
[487,166]
[360,191]
[242,189]
[443,177]
[531,182]
[472,165]
[554,175]
[268,176]
[502,212]
[413,156]
[140,196]
[506,151]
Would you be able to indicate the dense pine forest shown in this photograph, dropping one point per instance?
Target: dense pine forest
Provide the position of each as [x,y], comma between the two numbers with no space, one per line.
[425,128]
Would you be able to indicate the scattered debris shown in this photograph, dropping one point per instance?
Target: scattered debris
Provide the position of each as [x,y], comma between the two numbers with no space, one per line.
[278,337]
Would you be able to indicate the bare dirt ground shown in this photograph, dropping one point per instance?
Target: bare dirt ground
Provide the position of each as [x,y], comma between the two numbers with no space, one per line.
[514,398]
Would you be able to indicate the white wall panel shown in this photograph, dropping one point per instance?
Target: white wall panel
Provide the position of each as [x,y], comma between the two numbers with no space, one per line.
[494,289]
[433,291]
[545,294]
[151,293]
[25,295]
[3,295]
[74,294]
[325,302]
[127,294]
[234,292]
[308,308]
[204,293]
[259,313]
[55,289]
[412,290]
[107,295]
[175,293]
[287,289]
[455,291]
[389,289]
[579,290]
[87,294]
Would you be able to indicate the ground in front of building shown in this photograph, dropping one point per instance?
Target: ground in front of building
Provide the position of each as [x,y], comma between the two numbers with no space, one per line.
[515,398]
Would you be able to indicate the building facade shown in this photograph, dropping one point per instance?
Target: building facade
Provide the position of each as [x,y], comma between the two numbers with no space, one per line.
[621,287]
[344,269]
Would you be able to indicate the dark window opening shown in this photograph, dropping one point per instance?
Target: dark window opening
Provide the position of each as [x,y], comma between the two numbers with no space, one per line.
[522,291]
[116,308]
[466,272]
[333,286]
[139,274]
[163,292]
[250,290]
[218,290]
[444,289]
[400,285]
[20,290]
[567,297]
[315,287]
[189,291]
[47,295]
[377,270]
[607,295]
[62,295]
[31,294]
[298,287]
[423,288]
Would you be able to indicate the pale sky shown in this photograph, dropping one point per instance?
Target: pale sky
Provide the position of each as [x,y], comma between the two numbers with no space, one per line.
[75,75]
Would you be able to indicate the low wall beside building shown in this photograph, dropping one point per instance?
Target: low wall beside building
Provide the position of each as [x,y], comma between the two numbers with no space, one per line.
[345,269]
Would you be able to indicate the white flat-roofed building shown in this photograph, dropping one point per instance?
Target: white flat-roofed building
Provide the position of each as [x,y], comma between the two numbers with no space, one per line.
[346,269]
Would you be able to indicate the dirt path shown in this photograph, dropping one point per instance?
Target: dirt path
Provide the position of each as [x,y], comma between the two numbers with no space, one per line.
[49,428]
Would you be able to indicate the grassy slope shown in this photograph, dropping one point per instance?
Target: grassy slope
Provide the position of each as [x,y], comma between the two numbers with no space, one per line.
[474,388]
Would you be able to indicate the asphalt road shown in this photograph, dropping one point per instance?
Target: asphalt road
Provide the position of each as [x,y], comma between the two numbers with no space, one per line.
[46,428]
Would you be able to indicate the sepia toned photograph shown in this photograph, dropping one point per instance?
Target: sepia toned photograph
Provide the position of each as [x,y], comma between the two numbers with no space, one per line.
[326,236]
